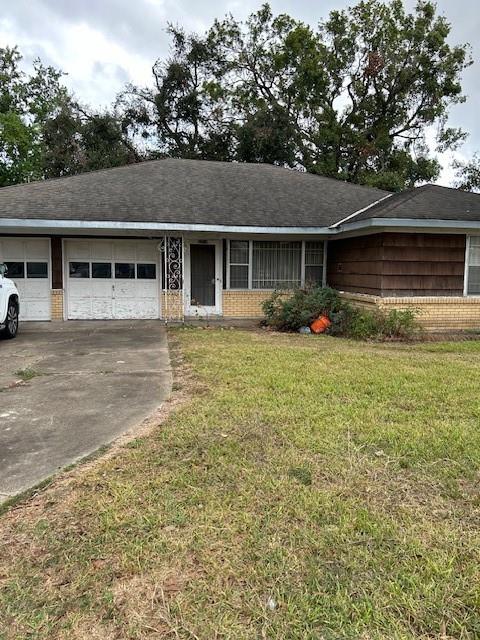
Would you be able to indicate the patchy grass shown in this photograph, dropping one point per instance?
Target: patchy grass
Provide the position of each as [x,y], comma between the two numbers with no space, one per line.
[27,374]
[311,488]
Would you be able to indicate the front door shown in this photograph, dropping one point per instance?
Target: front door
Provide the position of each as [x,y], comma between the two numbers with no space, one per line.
[203,279]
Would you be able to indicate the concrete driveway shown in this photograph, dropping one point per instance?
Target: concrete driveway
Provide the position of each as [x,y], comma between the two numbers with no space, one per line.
[89,383]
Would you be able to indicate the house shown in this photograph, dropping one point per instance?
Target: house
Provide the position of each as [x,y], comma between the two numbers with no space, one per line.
[186,238]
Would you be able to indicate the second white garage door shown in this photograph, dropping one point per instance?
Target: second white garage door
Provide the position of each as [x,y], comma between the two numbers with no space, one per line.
[117,279]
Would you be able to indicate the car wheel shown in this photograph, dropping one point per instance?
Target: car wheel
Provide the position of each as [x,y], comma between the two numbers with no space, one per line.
[11,321]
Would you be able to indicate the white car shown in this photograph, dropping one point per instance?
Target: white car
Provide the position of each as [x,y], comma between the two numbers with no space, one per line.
[9,305]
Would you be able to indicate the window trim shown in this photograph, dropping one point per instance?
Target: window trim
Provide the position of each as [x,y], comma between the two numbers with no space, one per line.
[467,266]
[250,262]
[466,274]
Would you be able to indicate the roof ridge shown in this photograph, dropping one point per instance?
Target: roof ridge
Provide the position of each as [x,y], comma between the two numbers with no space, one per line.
[266,165]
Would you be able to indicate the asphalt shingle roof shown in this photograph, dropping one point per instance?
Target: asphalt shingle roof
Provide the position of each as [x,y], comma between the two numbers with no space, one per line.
[430,202]
[190,192]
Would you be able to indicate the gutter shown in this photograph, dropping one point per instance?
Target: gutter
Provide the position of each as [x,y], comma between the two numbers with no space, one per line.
[90,225]
[415,224]
[12,225]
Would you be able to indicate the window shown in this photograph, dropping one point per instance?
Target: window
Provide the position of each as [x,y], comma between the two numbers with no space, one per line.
[473,261]
[125,270]
[276,265]
[239,264]
[313,262]
[146,271]
[15,269]
[101,270]
[279,264]
[79,269]
[37,270]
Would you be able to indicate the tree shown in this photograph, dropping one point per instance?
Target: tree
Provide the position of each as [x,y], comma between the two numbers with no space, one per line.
[468,174]
[351,99]
[26,104]
[76,140]
[44,133]
[182,112]
[359,92]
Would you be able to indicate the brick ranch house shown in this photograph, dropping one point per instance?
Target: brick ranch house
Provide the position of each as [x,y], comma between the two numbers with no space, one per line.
[186,238]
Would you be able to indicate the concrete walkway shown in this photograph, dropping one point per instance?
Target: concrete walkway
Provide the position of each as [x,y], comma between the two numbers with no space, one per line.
[89,383]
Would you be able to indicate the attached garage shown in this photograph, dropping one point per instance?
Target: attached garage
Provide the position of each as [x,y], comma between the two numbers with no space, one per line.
[112,279]
[28,262]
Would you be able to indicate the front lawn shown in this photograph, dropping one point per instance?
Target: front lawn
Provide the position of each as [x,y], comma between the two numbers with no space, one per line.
[310,488]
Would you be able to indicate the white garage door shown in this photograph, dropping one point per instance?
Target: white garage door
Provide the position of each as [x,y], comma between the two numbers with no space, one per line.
[28,262]
[112,279]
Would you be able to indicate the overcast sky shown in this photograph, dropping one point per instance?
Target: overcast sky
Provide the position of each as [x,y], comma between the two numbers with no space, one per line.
[102,44]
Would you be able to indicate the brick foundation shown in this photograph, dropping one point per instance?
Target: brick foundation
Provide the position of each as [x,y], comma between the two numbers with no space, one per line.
[436,313]
[171,305]
[244,304]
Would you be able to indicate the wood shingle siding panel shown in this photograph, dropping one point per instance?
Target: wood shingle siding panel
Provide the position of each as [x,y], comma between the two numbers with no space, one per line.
[422,240]
[398,264]
[424,254]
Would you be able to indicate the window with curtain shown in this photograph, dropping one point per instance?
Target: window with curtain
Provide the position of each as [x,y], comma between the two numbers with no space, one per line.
[473,275]
[313,262]
[276,265]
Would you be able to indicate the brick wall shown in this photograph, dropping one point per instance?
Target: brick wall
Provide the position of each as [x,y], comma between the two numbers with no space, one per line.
[435,313]
[243,304]
[57,304]
[171,305]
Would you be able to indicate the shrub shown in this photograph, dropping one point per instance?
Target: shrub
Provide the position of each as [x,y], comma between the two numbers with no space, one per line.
[400,323]
[300,308]
[304,305]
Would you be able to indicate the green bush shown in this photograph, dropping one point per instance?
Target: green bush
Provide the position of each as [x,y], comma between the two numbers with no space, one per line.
[285,312]
[290,312]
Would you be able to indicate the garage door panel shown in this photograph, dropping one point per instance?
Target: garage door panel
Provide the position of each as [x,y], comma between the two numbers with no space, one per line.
[102,251]
[147,253]
[12,250]
[102,308]
[126,289]
[147,289]
[101,288]
[36,309]
[36,289]
[79,309]
[37,249]
[79,250]
[124,252]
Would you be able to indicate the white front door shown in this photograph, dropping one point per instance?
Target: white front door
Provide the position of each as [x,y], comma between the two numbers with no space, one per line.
[28,262]
[203,277]
[112,279]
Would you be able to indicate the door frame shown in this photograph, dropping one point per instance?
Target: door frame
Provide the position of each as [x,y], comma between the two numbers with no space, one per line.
[215,310]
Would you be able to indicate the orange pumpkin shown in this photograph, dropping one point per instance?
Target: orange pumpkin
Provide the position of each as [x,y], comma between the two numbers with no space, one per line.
[320,325]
